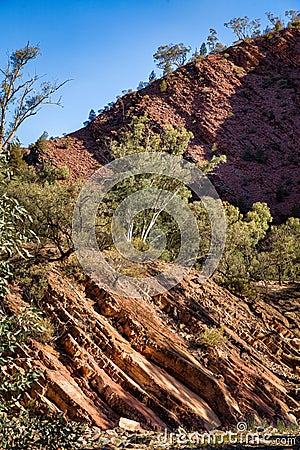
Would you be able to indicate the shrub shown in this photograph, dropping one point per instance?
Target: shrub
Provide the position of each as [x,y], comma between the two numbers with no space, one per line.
[15,330]
[20,429]
[41,145]
[251,154]
[252,130]
[163,85]
[211,337]
[14,235]
[63,173]
[50,174]
[72,268]
[241,286]
[16,158]
[44,432]
[51,209]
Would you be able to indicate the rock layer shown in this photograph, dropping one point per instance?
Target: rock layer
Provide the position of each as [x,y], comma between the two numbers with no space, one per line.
[142,359]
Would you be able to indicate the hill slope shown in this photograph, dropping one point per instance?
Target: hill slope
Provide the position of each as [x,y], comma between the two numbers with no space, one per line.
[245,100]
[143,359]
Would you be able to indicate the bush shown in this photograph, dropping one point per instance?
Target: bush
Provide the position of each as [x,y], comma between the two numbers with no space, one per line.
[50,174]
[15,330]
[19,429]
[16,160]
[32,278]
[241,286]
[72,268]
[51,209]
[281,193]
[211,337]
[44,432]
[163,86]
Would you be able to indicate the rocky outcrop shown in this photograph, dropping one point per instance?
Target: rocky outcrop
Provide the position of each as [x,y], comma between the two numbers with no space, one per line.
[245,102]
[143,360]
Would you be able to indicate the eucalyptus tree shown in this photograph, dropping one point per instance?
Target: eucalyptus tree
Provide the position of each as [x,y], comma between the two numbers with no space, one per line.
[22,96]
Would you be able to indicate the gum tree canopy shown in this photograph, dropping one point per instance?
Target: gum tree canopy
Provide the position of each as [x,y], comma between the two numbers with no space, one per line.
[22,97]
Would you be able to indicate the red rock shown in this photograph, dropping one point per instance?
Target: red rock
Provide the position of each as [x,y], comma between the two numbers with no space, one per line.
[129,425]
[158,376]
[246,100]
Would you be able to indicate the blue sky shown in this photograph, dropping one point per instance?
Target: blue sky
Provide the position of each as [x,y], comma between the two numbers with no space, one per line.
[107,46]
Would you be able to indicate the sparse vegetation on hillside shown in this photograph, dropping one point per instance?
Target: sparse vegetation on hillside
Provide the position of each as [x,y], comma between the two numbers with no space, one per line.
[36,208]
[172,56]
[169,56]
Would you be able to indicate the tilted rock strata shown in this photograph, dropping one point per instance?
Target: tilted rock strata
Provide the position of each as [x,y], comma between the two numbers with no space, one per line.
[141,359]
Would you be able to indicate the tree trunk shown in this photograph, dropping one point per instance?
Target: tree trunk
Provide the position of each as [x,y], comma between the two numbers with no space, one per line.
[1,138]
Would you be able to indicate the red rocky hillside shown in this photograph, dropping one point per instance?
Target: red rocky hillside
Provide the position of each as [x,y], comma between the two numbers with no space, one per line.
[245,102]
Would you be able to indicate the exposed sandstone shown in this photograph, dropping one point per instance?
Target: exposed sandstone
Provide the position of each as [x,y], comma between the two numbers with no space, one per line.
[144,362]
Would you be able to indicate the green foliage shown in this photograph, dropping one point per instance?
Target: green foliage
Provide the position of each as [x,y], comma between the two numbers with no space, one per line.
[239,285]
[140,138]
[49,174]
[251,154]
[293,17]
[16,162]
[204,227]
[21,98]
[244,28]
[15,167]
[276,22]
[41,143]
[40,432]
[66,142]
[255,251]
[142,85]
[50,202]
[15,330]
[50,207]
[13,231]
[92,116]
[280,256]
[13,236]
[73,269]
[203,49]
[168,56]
[211,337]
[213,42]
[152,77]
[5,272]
[214,147]
[163,85]
[281,193]
[287,428]
[209,166]
[199,53]
[17,429]
[33,280]
[244,233]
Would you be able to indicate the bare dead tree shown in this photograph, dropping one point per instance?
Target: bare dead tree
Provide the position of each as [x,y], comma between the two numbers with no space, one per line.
[21,98]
